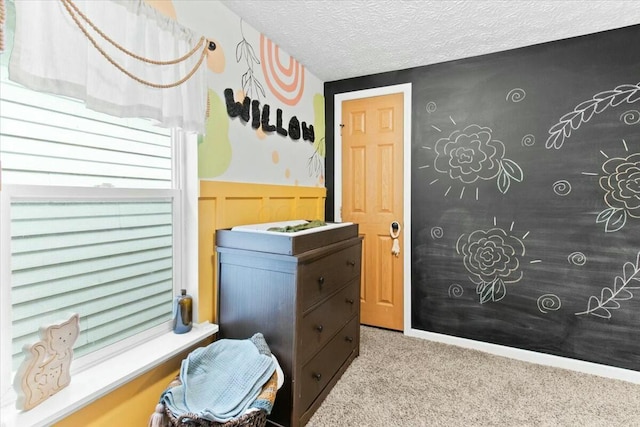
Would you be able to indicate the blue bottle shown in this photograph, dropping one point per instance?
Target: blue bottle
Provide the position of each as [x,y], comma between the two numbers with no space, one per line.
[182,313]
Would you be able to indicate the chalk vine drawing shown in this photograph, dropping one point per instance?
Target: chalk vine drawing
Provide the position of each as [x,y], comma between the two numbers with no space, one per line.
[584,111]
[621,184]
[455,291]
[528,140]
[473,154]
[577,258]
[250,84]
[631,117]
[549,302]
[621,291]
[516,95]
[562,187]
[492,257]
[437,233]
[431,107]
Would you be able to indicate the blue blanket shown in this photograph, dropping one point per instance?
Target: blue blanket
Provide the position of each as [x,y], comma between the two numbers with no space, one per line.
[222,380]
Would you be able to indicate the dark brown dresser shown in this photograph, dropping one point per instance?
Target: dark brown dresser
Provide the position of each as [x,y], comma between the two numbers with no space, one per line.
[302,292]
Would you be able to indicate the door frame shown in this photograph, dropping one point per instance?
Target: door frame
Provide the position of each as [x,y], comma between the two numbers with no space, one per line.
[404,88]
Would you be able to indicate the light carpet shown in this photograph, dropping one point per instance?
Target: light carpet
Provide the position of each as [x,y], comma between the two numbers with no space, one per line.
[403,381]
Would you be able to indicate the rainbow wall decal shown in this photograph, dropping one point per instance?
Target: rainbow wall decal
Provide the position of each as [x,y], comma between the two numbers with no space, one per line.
[285,82]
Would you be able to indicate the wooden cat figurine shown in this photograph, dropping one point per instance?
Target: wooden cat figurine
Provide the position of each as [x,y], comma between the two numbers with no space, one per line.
[45,369]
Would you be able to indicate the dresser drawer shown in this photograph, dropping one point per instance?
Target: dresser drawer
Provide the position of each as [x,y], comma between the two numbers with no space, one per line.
[317,373]
[325,275]
[319,325]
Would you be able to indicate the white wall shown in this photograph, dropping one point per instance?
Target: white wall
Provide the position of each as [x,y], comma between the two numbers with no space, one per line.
[231,149]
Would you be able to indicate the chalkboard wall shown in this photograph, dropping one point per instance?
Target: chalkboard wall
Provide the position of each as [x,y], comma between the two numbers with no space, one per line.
[525,170]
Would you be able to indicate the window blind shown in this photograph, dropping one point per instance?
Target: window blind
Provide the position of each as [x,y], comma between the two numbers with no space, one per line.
[111,262]
[52,140]
[104,254]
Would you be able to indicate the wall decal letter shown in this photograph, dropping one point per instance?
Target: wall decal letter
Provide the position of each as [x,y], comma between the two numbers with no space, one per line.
[282,131]
[255,114]
[234,108]
[307,132]
[294,128]
[265,119]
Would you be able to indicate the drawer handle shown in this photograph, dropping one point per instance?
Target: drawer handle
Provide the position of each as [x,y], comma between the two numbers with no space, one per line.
[319,328]
[321,280]
[351,263]
[349,301]
[348,339]
[317,377]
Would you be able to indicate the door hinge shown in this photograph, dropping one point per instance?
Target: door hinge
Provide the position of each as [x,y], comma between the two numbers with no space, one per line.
[341,127]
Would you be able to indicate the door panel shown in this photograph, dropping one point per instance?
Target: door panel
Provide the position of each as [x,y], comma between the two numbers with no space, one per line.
[372,153]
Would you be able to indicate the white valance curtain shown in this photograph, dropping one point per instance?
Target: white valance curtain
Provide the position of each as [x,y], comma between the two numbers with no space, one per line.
[52,54]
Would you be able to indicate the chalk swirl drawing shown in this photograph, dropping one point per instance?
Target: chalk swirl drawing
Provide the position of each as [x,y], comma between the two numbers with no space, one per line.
[562,187]
[577,258]
[516,95]
[549,302]
[455,291]
[493,258]
[584,111]
[621,183]
[621,291]
[431,107]
[631,117]
[471,154]
[437,233]
[528,140]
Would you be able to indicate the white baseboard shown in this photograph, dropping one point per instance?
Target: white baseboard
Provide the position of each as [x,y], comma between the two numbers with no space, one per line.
[531,356]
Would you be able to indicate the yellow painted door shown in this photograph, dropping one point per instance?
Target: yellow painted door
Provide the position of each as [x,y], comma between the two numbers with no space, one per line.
[372,196]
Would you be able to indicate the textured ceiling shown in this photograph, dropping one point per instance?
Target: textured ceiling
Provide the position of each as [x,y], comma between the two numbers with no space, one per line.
[337,39]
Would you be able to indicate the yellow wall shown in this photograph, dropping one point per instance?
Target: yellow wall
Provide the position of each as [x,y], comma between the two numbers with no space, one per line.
[226,204]
[221,205]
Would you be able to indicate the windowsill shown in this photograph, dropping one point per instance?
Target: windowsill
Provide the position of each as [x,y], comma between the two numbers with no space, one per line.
[95,382]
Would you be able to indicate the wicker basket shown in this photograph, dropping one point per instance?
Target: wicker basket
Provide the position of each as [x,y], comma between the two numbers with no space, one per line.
[252,419]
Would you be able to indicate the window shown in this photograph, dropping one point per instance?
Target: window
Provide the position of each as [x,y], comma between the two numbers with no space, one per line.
[91,222]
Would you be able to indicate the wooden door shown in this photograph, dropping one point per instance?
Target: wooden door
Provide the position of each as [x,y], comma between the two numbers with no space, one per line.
[372,196]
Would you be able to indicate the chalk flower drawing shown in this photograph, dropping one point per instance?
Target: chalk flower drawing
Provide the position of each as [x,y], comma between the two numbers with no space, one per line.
[584,111]
[493,258]
[471,154]
[621,183]
[610,297]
